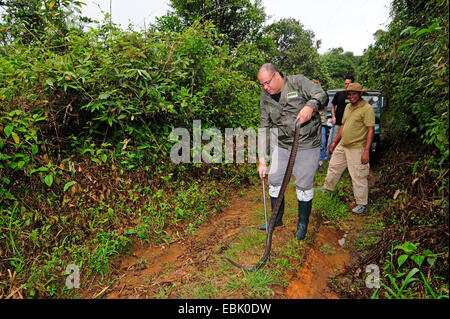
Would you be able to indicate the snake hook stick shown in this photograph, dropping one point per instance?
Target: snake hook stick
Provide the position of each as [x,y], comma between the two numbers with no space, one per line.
[286,179]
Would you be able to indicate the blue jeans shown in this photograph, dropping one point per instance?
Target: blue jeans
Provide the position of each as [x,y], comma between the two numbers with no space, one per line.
[323,147]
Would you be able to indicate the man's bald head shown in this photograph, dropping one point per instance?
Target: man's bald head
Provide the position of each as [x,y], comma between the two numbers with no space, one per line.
[270,78]
[268,68]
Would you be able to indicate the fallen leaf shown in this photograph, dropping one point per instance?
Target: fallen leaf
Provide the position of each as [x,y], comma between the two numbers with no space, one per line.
[397,192]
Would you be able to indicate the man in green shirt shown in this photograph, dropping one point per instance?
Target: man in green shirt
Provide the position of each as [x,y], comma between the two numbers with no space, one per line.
[351,147]
[284,100]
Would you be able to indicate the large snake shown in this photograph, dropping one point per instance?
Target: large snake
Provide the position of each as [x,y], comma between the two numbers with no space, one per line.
[286,179]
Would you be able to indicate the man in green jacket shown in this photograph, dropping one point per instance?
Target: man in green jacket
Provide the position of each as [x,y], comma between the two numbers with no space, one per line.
[284,100]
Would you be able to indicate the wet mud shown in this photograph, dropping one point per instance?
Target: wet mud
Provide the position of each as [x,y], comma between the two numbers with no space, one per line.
[325,257]
[150,267]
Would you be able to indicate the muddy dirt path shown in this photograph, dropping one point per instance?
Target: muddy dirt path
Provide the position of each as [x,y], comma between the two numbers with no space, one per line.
[324,257]
[151,269]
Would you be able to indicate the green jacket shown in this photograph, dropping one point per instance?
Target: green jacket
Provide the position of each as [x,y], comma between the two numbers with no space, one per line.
[298,91]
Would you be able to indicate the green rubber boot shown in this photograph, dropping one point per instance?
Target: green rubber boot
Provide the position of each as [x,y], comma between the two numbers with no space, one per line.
[278,221]
[304,210]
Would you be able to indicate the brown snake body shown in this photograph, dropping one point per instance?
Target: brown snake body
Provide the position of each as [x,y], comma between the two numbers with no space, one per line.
[286,179]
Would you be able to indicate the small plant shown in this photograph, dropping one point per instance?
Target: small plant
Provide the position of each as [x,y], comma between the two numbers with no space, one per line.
[403,282]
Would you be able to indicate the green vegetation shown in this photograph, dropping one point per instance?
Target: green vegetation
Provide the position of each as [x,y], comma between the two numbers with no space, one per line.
[86,110]
[340,64]
[409,62]
[84,148]
[402,279]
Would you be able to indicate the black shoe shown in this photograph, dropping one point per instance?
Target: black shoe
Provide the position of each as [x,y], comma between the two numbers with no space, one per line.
[278,221]
[304,210]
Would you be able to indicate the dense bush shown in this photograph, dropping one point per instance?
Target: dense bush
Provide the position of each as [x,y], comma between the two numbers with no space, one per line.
[76,120]
[410,63]
[126,85]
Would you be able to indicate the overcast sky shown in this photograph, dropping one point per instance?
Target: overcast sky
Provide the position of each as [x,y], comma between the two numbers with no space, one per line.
[349,24]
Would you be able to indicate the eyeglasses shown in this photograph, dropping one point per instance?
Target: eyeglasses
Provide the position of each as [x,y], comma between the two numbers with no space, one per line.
[268,82]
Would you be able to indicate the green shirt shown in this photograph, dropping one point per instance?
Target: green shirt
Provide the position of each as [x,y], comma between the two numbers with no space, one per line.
[356,122]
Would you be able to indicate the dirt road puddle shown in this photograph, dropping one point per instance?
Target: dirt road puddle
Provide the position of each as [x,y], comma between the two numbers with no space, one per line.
[325,256]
